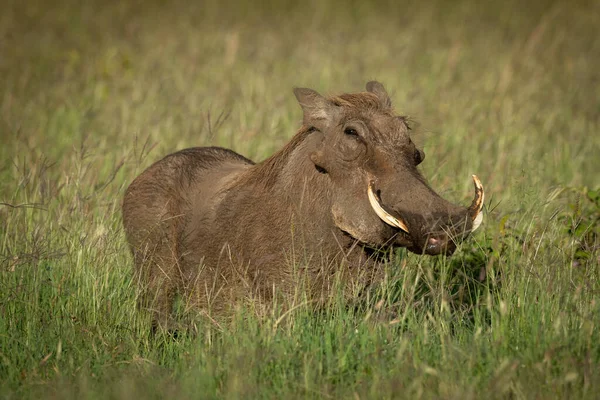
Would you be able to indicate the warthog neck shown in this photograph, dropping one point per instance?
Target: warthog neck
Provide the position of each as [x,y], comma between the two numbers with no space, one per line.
[289,177]
[281,201]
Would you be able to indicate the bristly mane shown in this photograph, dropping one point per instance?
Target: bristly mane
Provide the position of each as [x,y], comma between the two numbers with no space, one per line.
[369,102]
[366,101]
[266,172]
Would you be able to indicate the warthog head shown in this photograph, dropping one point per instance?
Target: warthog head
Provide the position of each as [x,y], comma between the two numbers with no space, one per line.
[378,195]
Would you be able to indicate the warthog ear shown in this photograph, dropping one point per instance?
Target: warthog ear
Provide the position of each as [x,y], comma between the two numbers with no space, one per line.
[378,89]
[318,111]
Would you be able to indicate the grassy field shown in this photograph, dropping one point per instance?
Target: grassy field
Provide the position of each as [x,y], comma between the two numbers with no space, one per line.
[92,94]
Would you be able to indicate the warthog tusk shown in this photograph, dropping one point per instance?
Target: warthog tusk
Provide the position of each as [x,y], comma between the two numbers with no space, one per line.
[477,204]
[381,213]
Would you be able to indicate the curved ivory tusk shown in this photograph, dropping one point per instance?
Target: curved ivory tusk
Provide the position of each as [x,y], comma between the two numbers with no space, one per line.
[477,204]
[381,213]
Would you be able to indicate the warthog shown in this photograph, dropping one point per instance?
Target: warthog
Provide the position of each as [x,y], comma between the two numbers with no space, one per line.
[213,225]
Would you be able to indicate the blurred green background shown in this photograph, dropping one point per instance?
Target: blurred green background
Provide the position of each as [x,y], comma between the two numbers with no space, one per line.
[506,90]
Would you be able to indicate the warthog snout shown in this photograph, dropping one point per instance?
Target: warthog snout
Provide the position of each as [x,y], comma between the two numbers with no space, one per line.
[431,233]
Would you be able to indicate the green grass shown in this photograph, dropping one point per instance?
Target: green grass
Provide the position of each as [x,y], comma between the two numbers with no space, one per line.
[92,94]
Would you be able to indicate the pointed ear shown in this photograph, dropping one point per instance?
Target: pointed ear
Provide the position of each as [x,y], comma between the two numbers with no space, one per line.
[318,111]
[378,89]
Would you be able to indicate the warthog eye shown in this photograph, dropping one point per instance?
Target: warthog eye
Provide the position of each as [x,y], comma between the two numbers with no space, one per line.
[350,132]
[419,156]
